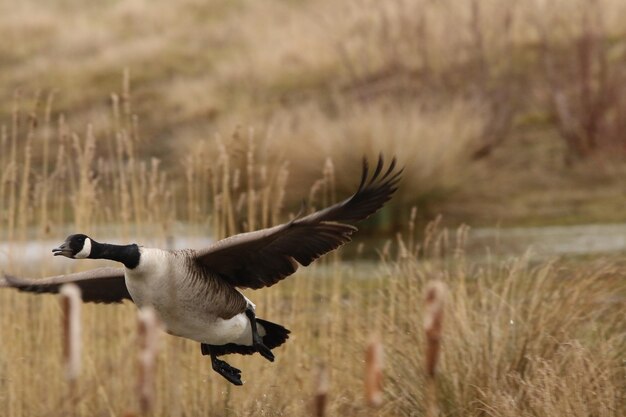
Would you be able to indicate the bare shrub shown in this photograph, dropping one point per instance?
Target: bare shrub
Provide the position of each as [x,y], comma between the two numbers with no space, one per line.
[585,74]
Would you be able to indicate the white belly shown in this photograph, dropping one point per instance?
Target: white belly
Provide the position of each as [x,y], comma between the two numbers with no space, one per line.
[214,332]
[153,283]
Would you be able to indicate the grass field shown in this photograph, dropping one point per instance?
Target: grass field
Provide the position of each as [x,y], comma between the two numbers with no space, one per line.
[519,339]
[142,121]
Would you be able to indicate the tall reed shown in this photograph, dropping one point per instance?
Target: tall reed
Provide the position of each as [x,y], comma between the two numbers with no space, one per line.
[374,372]
[71,302]
[322,386]
[147,332]
[433,327]
[515,328]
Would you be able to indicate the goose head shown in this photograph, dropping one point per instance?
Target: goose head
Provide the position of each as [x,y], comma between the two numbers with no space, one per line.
[76,246]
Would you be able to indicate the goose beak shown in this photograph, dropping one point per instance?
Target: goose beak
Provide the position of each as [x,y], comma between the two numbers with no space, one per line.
[63,250]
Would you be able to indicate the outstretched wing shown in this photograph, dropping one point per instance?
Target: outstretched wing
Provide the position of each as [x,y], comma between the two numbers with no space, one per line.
[262,258]
[102,285]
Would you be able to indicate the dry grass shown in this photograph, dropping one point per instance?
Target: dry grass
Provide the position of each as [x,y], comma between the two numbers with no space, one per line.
[314,80]
[519,339]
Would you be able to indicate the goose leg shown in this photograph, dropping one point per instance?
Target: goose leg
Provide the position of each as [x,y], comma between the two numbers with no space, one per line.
[257,341]
[232,374]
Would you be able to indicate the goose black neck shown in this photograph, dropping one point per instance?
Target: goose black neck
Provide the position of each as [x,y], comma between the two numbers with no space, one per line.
[126,254]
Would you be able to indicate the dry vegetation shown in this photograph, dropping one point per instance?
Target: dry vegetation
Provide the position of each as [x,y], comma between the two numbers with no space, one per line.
[490,101]
[444,84]
[519,338]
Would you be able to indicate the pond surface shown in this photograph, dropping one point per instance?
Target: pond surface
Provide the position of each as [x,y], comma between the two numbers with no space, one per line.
[553,240]
[540,241]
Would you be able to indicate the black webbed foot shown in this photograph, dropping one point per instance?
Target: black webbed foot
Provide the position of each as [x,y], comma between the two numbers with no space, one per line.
[257,341]
[232,374]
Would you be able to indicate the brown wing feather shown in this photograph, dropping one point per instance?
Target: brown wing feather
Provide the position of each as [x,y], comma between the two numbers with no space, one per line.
[102,285]
[367,200]
[262,258]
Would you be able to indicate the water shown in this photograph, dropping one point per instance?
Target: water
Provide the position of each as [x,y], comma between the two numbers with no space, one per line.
[541,241]
[554,240]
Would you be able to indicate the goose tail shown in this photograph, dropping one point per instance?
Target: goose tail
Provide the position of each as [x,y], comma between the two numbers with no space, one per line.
[275,334]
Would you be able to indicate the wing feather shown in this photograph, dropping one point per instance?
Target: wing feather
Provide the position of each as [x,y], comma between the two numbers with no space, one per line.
[262,258]
[102,285]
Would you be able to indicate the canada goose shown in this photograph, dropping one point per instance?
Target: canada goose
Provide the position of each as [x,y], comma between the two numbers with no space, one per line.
[194,292]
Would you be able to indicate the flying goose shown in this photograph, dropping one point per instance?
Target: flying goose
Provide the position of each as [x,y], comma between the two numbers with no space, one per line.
[195,292]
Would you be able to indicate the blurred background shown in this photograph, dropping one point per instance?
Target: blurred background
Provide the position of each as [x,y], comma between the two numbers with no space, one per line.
[504,113]
[176,123]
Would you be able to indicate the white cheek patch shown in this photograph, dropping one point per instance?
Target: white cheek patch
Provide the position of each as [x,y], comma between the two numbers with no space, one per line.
[85,251]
